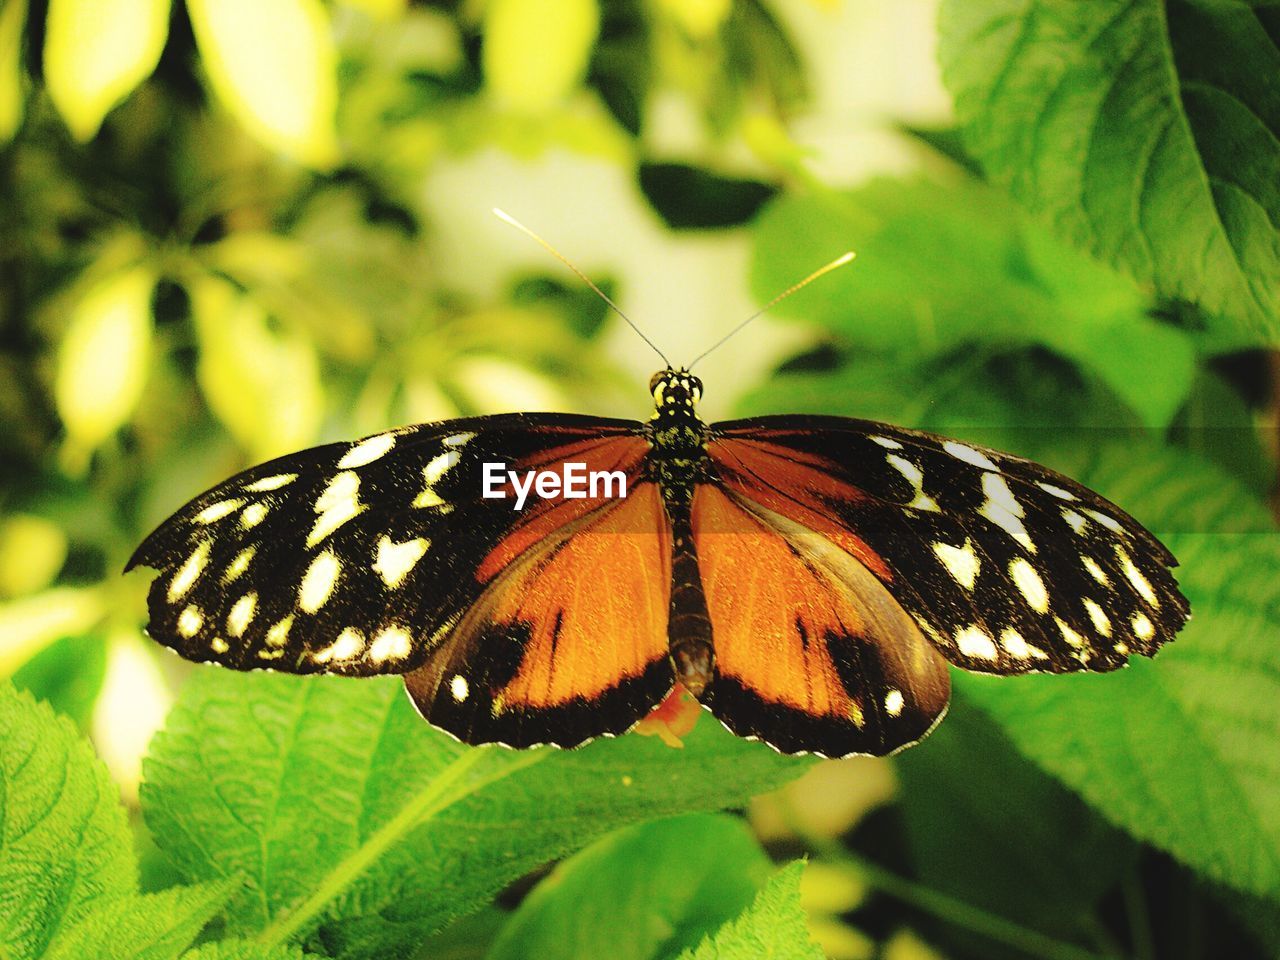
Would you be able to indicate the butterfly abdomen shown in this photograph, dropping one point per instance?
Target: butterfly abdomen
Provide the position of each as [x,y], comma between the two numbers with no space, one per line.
[689,623]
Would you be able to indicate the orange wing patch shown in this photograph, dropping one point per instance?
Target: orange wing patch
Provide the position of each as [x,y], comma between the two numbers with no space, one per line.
[812,652]
[544,517]
[567,642]
[797,485]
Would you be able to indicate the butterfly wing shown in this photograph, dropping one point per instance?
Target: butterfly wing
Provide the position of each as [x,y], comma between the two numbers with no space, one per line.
[1005,565]
[812,653]
[360,558]
[568,640]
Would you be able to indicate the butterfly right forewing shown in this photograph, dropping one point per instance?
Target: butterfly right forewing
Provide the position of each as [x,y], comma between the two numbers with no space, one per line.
[1007,566]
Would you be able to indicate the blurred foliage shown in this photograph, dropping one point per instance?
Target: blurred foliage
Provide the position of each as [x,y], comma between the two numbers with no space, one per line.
[223,238]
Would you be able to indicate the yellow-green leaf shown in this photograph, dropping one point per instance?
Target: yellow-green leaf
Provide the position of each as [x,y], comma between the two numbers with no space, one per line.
[12,18]
[32,551]
[536,51]
[28,625]
[700,19]
[95,53]
[104,357]
[379,9]
[272,64]
[263,385]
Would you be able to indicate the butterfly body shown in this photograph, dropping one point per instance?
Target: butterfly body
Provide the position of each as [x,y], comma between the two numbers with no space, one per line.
[808,579]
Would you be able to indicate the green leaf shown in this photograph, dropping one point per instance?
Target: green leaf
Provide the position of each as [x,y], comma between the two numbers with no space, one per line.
[987,826]
[1146,132]
[273,65]
[64,844]
[536,51]
[244,950]
[943,267]
[105,356]
[773,926]
[96,54]
[156,926]
[690,198]
[1184,751]
[647,891]
[68,674]
[247,369]
[341,807]
[12,20]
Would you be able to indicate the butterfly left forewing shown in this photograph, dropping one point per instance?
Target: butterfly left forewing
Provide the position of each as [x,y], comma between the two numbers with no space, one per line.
[351,558]
[1007,566]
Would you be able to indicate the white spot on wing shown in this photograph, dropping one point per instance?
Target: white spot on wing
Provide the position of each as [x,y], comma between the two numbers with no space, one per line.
[271,483]
[438,466]
[1135,577]
[893,702]
[1058,492]
[1004,510]
[458,687]
[367,451]
[1143,628]
[349,643]
[1028,581]
[241,614]
[318,582]
[887,442]
[239,565]
[1068,634]
[395,560]
[969,455]
[391,643]
[458,440]
[1098,616]
[278,635]
[961,562]
[974,642]
[1109,522]
[1014,644]
[190,621]
[253,515]
[915,477]
[218,645]
[1096,571]
[1075,521]
[339,503]
[189,572]
[218,510]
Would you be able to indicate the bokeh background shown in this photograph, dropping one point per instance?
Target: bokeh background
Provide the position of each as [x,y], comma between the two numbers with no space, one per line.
[231,230]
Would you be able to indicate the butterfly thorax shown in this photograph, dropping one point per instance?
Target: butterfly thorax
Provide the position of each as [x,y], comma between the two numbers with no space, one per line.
[678,435]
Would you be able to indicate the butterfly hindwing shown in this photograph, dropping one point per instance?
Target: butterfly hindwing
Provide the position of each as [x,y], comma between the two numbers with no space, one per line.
[568,641]
[353,558]
[1007,566]
[812,653]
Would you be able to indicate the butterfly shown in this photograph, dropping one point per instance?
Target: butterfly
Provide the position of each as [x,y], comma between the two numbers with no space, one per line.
[807,578]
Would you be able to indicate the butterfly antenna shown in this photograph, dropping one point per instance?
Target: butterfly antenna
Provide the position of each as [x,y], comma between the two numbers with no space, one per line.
[507,218]
[839,261]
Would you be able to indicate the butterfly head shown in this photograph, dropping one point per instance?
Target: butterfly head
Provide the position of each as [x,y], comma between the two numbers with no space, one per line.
[675,390]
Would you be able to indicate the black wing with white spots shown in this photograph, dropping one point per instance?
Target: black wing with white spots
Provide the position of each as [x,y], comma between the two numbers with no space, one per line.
[1007,566]
[349,558]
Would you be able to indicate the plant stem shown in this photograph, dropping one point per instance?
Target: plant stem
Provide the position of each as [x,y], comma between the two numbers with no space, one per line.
[1135,908]
[442,792]
[946,907]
